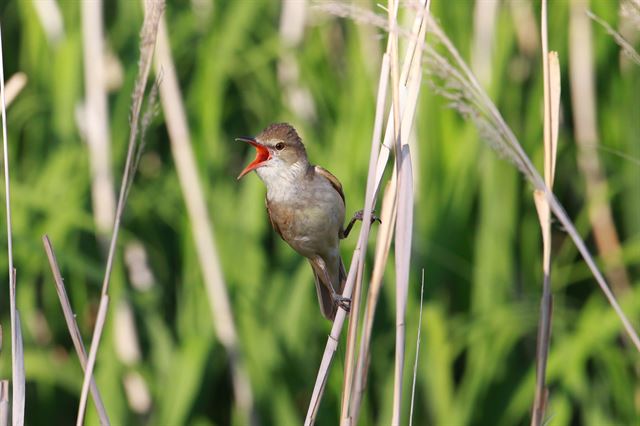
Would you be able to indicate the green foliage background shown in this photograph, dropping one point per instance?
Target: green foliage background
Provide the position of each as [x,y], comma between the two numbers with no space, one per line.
[476,230]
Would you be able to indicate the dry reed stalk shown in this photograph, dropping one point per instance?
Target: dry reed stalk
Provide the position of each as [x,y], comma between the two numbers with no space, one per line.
[19,385]
[485,14]
[408,100]
[387,223]
[372,189]
[551,77]
[293,19]
[471,101]
[201,226]
[148,33]
[96,116]
[50,17]
[415,365]
[347,413]
[400,164]
[630,11]
[93,352]
[408,97]
[4,403]
[17,357]
[626,47]
[14,86]
[72,325]
[334,337]
[351,353]
[584,102]
[404,211]
[525,26]
[383,247]
[584,107]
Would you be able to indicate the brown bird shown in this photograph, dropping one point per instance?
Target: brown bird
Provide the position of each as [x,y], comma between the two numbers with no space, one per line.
[306,207]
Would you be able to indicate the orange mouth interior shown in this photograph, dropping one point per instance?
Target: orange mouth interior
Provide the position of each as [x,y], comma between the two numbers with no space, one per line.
[262,155]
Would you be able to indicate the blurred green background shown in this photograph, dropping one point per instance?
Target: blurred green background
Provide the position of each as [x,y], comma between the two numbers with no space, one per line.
[243,65]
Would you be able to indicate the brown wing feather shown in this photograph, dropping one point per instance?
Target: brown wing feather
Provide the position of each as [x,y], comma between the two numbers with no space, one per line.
[273,224]
[332,180]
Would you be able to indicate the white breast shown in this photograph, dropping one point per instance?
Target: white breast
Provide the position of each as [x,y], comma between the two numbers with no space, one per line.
[282,181]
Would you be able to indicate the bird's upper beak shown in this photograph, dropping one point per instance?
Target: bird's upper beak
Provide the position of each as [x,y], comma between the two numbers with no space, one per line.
[262,155]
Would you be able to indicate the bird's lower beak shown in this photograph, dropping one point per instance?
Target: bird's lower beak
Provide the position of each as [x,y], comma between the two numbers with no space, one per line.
[262,155]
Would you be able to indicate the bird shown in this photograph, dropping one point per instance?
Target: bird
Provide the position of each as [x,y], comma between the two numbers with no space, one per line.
[306,206]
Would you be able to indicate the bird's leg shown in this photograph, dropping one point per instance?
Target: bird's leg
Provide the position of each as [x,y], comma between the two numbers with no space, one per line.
[343,302]
[357,216]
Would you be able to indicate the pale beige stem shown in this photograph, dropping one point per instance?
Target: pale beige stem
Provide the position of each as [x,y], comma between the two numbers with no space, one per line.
[583,99]
[153,11]
[293,20]
[17,357]
[4,403]
[201,226]
[485,13]
[551,99]
[96,115]
[91,359]
[72,325]
[14,86]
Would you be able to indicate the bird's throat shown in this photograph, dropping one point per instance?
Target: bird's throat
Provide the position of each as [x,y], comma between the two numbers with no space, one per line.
[283,181]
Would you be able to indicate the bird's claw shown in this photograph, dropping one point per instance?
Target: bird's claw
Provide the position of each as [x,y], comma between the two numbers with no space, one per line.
[343,302]
[360,213]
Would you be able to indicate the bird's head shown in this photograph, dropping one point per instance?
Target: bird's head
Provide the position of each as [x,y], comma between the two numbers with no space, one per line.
[278,149]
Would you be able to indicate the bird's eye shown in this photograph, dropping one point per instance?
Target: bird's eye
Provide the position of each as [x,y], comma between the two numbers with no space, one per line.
[279,146]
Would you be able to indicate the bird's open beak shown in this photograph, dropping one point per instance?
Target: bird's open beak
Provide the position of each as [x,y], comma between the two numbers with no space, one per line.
[262,155]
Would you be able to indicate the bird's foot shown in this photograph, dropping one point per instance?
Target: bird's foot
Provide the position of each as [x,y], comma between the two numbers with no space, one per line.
[343,302]
[357,216]
[360,213]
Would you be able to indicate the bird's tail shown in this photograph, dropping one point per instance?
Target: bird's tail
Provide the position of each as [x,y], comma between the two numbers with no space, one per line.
[327,305]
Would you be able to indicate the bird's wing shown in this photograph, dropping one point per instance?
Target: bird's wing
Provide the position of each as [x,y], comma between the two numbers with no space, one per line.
[332,180]
[273,223]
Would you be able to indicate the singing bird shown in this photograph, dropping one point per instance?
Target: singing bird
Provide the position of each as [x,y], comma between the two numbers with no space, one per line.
[306,207]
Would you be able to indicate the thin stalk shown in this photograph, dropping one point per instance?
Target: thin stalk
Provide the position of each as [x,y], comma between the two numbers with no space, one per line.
[17,407]
[415,365]
[4,403]
[627,47]
[97,133]
[410,78]
[72,325]
[348,413]
[19,385]
[407,104]
[383,246]
[584,107]
[93,352]
[397,143]
[148,33]
[508,145]
[201,226]
[334,338]
[351,353]
[546,302]
[14,86]
[403,126]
